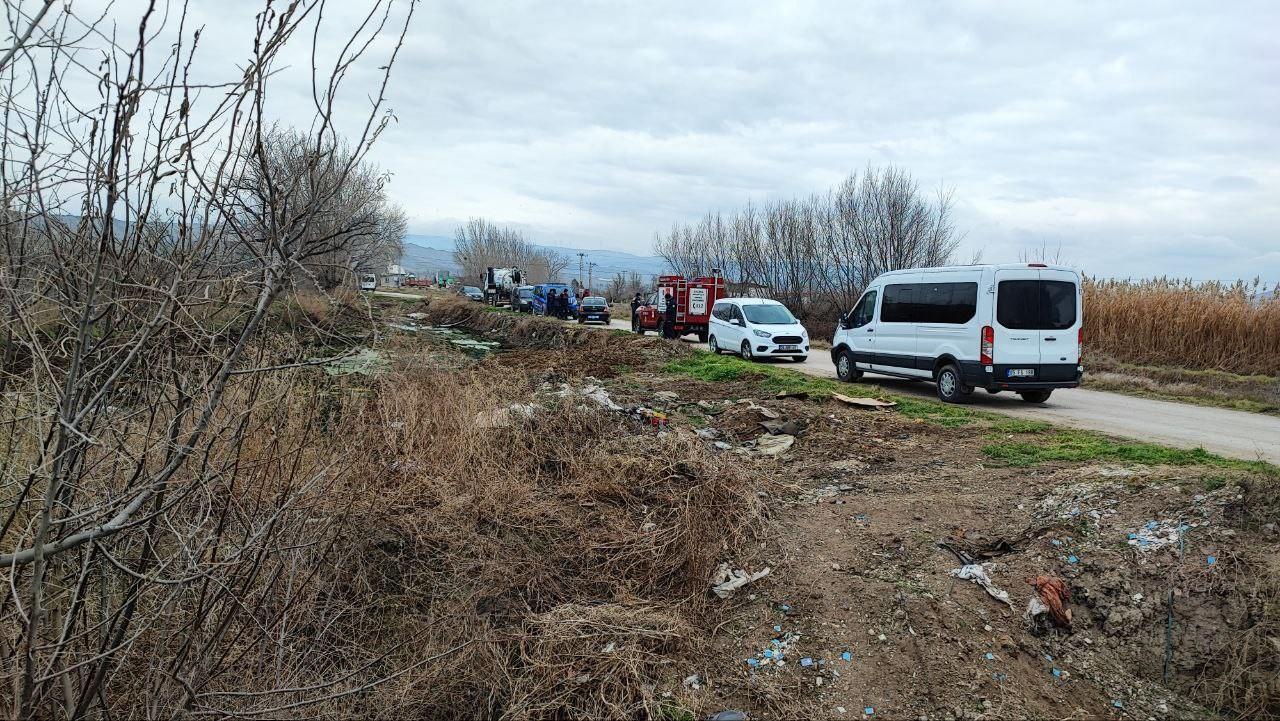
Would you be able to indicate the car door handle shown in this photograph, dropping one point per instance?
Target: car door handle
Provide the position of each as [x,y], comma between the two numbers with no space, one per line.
[1051,338]
[871,330]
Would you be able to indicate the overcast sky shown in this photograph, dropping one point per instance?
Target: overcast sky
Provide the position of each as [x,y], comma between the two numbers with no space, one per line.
[1141,137]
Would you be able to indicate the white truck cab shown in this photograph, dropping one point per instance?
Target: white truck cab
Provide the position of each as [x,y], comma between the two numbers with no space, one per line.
[1014,327]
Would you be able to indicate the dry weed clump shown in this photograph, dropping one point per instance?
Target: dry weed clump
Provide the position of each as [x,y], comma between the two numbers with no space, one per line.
[518,554]
[1227,327]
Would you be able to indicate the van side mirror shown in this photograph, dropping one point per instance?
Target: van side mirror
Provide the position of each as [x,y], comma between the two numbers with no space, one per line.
[735,321]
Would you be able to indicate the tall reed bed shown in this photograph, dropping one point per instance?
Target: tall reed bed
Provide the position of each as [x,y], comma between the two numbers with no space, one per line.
[1232,327]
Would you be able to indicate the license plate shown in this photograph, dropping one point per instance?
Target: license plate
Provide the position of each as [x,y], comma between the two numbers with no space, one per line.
[593,317]
[788,347]
[1021,372]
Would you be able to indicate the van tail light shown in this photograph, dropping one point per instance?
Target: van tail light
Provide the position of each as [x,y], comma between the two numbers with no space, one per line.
[988,345]
[1080,339]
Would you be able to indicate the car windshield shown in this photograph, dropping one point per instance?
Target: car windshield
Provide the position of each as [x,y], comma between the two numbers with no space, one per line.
[470,289]
[768,314]
[526,292]
[593,300]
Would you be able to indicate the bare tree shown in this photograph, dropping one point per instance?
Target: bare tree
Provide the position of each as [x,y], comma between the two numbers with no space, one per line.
[818,253]
[153,525]
[480,244]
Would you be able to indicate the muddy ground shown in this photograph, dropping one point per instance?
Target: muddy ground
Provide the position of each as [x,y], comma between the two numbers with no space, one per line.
[1171,569]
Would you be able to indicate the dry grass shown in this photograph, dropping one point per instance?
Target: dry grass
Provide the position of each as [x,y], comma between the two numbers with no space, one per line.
[1226,327]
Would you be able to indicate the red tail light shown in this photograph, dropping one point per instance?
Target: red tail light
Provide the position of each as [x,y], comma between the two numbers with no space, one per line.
[988,345]
[1080,339]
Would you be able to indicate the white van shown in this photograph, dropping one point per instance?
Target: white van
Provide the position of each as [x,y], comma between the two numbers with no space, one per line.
[998,327]
[368,281]
[756,328]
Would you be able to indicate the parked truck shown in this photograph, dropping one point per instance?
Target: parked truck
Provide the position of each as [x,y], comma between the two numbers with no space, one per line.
[693,298]
[501,285]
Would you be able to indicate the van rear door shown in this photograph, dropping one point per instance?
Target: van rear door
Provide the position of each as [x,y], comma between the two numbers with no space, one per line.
[1016,324]
[1037,323]
[1060,297]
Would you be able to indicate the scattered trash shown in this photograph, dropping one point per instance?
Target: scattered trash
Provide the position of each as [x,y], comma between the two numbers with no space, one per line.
[873,403]
[707,433]
[978,574]
[1072,559]
[868,711]
[1212,560]
[799,395]
[806,662]
[777,428]
[1054,594]
[774,446]
[721,445]
[1117,703]
[728,715]
[846,656]
[1158,534]
[776,653]
[990,656]
[666,395]
[692,682]
[1057,673]
[728,580]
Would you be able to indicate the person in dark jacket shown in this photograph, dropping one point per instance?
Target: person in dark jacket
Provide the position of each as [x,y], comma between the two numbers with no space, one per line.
[635,303]
[564,303]
[669,323]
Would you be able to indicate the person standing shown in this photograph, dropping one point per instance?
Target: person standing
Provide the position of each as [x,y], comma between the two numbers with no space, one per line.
[669,316]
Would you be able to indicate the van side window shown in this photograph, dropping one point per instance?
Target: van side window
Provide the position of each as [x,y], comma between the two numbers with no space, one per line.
[864,311]
[953,303]
[899,303]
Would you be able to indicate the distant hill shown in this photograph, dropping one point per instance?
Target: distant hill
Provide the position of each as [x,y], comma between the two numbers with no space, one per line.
[428,253]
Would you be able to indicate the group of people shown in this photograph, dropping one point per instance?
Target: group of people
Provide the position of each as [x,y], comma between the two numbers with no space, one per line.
[668,315]
[558,304]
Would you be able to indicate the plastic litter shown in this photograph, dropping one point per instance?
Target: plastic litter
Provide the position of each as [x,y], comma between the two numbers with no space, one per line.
[1072,559]
[806,662]
[774,446]
[1212,560]
[727,579]
[728,715]
[978,574]
[868,711]
[846,656]
[990,656]
[872,403]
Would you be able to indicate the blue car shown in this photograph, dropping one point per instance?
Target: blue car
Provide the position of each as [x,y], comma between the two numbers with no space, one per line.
[542,290]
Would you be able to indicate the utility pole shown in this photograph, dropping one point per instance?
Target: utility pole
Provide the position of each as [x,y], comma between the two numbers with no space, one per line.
[581,257]
[591,267]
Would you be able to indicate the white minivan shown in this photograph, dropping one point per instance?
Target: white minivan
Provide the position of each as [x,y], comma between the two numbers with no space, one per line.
[997,327]
[756,328]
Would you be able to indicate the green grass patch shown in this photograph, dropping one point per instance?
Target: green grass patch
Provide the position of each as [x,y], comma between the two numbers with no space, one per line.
[1077,446]
[1019,425]
[774,379]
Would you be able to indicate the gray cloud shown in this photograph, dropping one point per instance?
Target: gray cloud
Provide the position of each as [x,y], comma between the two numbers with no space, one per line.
[1141,136]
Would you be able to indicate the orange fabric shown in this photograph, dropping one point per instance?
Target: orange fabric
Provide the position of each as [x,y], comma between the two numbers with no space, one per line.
[1055,594]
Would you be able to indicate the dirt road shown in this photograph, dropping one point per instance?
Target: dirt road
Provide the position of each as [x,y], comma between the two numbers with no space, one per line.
[1235,434]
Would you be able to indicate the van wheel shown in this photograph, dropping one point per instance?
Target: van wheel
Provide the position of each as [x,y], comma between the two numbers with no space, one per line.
[846,369]
[745,352]
[713,346]
[951,388]
[1035,396]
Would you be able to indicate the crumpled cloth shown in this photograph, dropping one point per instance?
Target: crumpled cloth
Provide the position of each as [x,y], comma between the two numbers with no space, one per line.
[976,573]
[1055,595]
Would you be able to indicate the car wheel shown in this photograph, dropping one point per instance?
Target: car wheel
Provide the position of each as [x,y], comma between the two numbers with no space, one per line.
[846,369]
[712,345]
[745,352]
[951,388]
[1035,396]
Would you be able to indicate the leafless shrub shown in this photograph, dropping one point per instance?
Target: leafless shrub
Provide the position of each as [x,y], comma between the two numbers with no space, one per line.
[160,517]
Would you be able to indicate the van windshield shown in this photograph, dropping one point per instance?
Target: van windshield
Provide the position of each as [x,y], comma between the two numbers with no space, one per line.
[1036,304]
[768,314]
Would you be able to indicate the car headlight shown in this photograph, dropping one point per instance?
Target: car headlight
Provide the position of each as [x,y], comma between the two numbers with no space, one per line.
[761,333]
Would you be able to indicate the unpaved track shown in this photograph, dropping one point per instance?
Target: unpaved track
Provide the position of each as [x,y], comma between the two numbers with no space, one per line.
[1236,434]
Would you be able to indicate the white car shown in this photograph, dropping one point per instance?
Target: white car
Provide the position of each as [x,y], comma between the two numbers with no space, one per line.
[997,327]
[756,328]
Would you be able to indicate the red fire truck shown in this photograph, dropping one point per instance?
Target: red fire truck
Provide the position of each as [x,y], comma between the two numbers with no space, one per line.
[693,300]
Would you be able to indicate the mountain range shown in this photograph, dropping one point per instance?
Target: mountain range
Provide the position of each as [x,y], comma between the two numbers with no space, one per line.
[430,253]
